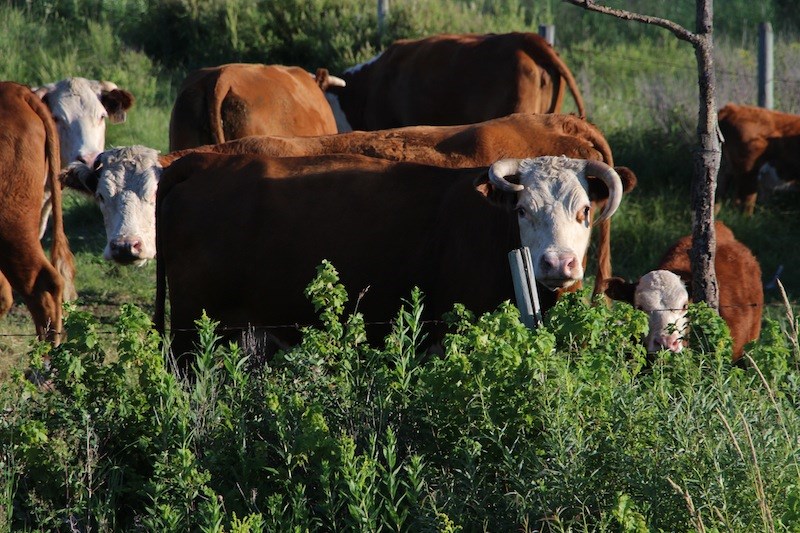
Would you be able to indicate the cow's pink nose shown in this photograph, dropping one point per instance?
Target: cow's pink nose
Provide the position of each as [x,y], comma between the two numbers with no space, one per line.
[88,159]
[563,265]
[125,250]
[671,342]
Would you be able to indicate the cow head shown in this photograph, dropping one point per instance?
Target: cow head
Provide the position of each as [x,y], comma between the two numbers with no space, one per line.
[552,198]
[123,181]
[80,108]
[663,296]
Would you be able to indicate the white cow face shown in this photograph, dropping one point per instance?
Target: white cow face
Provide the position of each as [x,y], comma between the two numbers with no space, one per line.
[662,295]
[80,108]
[554,206]
[123,181]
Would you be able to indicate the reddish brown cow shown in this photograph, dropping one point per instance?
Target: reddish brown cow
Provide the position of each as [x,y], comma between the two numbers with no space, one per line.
[453,79]
[755,136]
[518,135]
[29,152]
[218,104]
[664,298]
[240,236]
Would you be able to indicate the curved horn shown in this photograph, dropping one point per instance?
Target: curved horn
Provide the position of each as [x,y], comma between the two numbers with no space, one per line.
[612,180]
[498,172]
[335,81]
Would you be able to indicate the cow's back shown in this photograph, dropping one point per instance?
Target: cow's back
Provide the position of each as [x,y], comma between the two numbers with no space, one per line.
[231,101]
[455,79]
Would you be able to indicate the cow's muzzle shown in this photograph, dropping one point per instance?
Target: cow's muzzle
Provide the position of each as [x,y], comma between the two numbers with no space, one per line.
[126,250]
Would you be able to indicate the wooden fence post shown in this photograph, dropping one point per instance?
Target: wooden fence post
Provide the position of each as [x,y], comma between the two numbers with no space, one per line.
[765,66]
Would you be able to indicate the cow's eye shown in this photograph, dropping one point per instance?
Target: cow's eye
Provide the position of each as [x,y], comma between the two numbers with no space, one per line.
[583,214]
[520,212]
[686,306]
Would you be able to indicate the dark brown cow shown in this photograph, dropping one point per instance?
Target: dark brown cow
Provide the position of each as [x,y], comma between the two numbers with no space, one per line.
[240,236]
[29,153]
[663,295]
[518,136]
[218,104]
[755,136]
[453,79]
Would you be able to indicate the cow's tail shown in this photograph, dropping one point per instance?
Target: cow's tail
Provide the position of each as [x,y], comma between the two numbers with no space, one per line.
[552,56]
[60,255]
[215,99]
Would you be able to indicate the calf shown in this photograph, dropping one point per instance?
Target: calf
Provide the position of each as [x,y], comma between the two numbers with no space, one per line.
[663,294]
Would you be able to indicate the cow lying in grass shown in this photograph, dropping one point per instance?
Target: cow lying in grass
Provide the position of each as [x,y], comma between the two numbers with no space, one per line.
[663,294]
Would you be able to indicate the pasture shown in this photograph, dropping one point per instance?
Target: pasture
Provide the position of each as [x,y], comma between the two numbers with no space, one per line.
[557,430]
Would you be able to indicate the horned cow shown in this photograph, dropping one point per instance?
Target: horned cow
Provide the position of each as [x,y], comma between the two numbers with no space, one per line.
[240,236]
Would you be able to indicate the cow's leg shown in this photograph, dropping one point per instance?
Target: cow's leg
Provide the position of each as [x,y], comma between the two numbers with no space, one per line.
[39,285]
[747,192]
[6,296]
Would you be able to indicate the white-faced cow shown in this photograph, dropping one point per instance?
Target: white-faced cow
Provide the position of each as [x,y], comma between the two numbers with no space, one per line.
[240,235]
[125,178]
[218,104]
[453,79]
[29,151]
[80,108]
[663,293]
[755,136]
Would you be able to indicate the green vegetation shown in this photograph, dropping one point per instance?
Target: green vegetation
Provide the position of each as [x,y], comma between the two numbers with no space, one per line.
[564,428]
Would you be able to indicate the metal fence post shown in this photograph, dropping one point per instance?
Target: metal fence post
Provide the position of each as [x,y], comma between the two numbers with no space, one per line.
[548,31]
[765,66]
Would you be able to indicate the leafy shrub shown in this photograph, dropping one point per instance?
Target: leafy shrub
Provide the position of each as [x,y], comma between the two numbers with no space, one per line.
[509,427]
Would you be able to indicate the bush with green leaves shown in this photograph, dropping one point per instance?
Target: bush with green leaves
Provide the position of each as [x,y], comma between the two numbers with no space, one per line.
[565,427]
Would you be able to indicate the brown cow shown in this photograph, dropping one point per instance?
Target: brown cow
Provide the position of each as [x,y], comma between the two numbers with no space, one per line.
[131,233]
[29,151]
[240,236]
[663,294]
[755,136]
[453,79]
[218,104]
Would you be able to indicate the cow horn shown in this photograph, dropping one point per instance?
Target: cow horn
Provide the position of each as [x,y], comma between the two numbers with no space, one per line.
[335,81]
[498,172]
[612,180]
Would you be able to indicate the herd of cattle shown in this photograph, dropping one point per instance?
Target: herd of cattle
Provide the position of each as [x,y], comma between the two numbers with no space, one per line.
[386,171]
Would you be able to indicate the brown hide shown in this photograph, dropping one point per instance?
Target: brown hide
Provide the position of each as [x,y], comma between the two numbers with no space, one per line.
[218,104]
[741,294]
[29,153]
[241,236]
[456,79]
[755,136]
[519,135]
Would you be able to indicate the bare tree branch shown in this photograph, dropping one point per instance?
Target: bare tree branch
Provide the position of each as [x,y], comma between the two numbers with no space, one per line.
[679,31]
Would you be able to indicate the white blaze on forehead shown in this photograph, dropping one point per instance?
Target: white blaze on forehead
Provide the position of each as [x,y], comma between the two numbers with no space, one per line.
[554,197]
[126,193]
[80,118]
[662,295]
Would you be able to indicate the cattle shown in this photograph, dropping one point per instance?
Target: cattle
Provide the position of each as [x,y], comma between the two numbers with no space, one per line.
[447,80]
[123,184]
[218,104]
[29,150]
[80,108]
[753,137]
[240,235]
[663,293]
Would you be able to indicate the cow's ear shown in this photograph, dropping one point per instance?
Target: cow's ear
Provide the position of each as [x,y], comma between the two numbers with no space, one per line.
[495,196]
[117,102]
[80,177]
[628,178]
[621,290]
